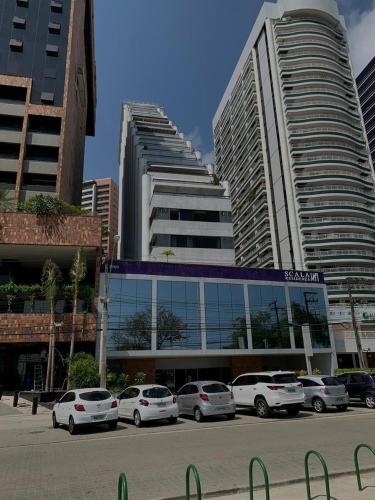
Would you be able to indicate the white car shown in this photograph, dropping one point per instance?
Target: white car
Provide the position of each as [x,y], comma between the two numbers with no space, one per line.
[83,407]
[268,391]
[147,402]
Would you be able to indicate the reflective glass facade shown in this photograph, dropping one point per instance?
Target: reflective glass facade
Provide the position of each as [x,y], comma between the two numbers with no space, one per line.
[269,317]
[178,312]
[308,306]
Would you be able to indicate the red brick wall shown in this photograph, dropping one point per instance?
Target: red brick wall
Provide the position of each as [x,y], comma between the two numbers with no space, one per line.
[24,328]
[29,229]
[244,364]
[132,366]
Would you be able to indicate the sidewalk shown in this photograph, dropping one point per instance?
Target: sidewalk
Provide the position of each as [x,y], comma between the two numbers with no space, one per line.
[24,407]
[343,487]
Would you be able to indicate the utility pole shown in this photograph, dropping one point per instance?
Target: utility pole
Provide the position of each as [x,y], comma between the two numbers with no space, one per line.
[105,300]
[274,306]
[361,357]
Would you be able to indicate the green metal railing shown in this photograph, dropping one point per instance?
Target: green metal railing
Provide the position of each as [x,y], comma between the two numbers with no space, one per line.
[356,464]
[192,468]
[260,462]
[307,473]
[122,487]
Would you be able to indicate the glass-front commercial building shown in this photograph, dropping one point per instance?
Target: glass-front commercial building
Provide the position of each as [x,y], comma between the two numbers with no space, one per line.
[177,322]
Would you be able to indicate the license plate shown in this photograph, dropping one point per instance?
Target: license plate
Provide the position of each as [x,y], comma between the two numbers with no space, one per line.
[98,417]
[340,400]
[221,408]
[162,405]
[291,389]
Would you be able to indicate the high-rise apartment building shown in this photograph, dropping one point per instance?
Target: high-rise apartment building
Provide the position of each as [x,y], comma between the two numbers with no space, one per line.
[172,208]
[47,96]
[100,196]
[366,91]
[290,140]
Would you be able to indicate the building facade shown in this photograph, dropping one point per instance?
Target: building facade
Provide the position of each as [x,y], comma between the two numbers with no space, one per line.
[290,140]
[179,322]
[47,96]
[100,196]
[172,208]
[366,91]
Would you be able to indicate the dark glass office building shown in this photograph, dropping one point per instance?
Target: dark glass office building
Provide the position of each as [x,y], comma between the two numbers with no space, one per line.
[366,91]
[176,322]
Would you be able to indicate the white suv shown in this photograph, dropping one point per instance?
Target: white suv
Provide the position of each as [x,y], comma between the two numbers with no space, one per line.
[268,391]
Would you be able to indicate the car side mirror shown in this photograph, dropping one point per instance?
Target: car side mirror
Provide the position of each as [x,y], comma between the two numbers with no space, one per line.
[230,384]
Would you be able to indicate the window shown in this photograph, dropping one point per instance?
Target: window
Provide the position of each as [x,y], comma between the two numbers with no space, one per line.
[52,50]
[193,389]
[47,97]
[134,392]
[245,380]
[16,45]
[95,395]
[54,28]
[330,381]
[307,382]
[23,3]
[215,388]
[19,22]
[56,6]
[356,378]
[266,379]
[285,378]
[157,392]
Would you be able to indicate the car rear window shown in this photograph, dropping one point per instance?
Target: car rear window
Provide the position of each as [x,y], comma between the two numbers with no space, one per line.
[285,378]
[215,388]
[157,392]
[331,381]
[95,395]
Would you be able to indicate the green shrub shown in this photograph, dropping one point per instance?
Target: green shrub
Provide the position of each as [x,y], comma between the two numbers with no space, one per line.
[302,373]
[47,206]
[83,371]
[316,371]
[139,378]
[117,382]
[344,370]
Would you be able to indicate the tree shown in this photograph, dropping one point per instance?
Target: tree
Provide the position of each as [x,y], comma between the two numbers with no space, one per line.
[168,253]
[77,275]
[170,328]
[84,371]
[51,281]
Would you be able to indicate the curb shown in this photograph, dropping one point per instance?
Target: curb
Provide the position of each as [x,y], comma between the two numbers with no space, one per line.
[245,489]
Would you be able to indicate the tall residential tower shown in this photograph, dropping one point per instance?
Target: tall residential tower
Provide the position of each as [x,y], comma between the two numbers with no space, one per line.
[290,140]
[172,208]
[47,96]
[366,91]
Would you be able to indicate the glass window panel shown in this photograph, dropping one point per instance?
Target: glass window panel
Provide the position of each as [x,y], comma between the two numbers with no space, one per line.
[308,307]
[129,314]
[225,316]
[269,317]
[178,315]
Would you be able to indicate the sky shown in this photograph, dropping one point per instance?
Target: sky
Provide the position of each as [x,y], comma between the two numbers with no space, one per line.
[180,54]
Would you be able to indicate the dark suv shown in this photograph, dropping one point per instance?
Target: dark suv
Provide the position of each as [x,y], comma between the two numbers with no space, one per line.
[360,386]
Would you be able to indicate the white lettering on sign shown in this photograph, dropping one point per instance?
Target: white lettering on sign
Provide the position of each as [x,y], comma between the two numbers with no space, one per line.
[302,276]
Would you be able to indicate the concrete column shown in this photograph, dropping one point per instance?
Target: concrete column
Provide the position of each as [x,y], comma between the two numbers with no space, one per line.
[146,197]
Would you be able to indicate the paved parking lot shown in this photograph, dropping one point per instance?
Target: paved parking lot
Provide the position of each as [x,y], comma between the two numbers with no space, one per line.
[38,462]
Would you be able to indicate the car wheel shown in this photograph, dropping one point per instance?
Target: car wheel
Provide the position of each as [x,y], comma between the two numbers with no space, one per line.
[231,416]
[172,420]
[55,423]
[318,405]
[370,401]
[112,425]
[342,407]
[262,408]
[198,415]
[137,419]
[292,412]
[72,426]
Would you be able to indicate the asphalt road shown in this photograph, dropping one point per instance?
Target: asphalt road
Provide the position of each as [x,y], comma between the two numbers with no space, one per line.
[38,462]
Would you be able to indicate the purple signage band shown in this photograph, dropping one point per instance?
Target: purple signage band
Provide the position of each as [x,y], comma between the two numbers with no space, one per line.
[200,271]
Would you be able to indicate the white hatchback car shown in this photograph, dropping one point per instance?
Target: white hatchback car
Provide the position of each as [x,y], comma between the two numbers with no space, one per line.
[268,391]
[147,402]
[85,406]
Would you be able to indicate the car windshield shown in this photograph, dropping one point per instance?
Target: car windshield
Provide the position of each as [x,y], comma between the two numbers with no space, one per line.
[95,395]
[285,378]
[215,388]
[157,392]
[331,381]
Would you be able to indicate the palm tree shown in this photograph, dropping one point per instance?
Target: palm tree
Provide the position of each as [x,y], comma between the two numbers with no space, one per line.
[6,203]
[168,253]
[77,275]
[51,280]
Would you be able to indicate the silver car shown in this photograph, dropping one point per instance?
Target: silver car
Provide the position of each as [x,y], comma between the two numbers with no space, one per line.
[322,391]
[205,398]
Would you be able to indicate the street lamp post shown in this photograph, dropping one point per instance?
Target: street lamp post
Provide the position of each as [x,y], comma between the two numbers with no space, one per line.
[104,320]
[361,357]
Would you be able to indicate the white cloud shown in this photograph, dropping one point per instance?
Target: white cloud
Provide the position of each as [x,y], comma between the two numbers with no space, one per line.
[195,137]
[361,35]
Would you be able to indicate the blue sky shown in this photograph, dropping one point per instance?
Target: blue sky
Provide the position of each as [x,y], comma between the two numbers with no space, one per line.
[179,54]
